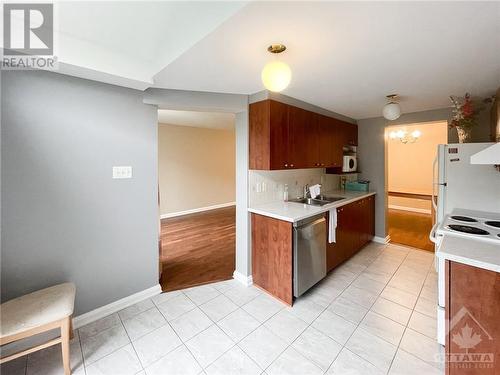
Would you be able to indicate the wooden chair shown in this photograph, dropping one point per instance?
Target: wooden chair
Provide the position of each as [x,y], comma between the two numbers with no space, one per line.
[38,312]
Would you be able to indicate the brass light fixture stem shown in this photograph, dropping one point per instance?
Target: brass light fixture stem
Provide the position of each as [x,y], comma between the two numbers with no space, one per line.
[276,48]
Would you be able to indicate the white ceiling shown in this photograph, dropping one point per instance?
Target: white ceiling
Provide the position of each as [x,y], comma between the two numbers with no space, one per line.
[212,120]
[345,56]
[128,42]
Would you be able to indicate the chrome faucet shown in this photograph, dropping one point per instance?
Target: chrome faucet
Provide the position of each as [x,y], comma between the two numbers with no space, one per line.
[306,190]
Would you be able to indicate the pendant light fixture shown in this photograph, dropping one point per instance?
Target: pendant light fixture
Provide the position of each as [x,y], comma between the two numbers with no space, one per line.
[276,75]
[391,110]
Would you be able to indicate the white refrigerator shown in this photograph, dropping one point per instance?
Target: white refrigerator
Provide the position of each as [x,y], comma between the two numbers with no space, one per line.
[460,184]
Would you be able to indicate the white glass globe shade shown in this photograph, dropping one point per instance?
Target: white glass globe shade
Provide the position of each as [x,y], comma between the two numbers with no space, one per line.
[416,133]
[401,134]
[276,76]
[391,111]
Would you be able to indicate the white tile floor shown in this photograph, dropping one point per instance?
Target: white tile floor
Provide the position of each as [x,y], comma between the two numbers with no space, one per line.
[374,314]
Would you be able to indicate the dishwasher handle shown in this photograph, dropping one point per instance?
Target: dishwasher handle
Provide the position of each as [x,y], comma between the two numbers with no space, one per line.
[310,229]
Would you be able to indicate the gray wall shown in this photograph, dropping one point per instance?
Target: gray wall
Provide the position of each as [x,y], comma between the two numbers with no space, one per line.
[63,217]
[371,150]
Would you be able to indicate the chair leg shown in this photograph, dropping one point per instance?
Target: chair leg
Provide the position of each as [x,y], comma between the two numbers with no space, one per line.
[65,333]
[71,332]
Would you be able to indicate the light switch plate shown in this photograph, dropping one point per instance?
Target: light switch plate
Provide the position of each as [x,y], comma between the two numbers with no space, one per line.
[122,172]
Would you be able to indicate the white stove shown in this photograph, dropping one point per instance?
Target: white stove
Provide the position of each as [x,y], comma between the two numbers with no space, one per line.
[482,226]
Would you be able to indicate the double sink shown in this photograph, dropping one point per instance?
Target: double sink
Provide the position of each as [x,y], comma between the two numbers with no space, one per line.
[320,200]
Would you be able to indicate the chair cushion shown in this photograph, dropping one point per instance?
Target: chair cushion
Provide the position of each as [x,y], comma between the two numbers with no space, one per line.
[36,309]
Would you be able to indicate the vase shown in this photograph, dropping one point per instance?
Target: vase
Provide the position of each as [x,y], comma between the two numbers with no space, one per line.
[464,134]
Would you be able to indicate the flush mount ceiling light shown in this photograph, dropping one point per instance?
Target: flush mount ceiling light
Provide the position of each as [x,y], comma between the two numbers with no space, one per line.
[404,137]
[276,75]
[391,110]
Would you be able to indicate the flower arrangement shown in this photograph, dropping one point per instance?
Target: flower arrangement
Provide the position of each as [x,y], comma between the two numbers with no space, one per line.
[464,111]
[464,118]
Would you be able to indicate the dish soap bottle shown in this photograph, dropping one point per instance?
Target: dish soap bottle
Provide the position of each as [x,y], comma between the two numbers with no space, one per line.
[285,193]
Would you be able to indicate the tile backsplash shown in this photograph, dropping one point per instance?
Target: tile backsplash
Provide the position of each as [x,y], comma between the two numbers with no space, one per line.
[269,186]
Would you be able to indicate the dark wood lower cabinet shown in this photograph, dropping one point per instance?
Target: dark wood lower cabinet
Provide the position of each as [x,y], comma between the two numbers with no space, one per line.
[272,249]
[355,228]
[473,320]
[272,246]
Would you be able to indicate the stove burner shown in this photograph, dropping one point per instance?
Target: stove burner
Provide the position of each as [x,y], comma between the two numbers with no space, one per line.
[493,223]
[468,229]
[465,219]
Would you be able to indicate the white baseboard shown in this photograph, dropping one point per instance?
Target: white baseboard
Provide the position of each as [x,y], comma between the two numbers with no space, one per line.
[411,209]
[101,312]
[195,210]
[381,240]
[245,280]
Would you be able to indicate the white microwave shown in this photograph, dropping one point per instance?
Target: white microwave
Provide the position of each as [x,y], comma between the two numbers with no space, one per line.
[349,164]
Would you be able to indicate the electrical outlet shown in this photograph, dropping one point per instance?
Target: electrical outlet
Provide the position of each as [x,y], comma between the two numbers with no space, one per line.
[122,172]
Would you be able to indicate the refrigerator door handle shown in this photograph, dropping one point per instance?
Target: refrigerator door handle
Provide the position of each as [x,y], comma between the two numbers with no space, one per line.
[434,196]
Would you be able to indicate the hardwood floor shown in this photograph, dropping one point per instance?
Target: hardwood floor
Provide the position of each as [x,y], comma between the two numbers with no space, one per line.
[410,228]
[198,248]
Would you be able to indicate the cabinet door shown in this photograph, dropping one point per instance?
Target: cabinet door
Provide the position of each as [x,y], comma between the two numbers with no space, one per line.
[324,141]
[473,306]
[337,152]
[349,213]
[279,139]
[359,225]
[371,217]
[302,148]
[258,119]
[272,266]
[335,252]
[348,133]
[339,251]
[352,134]
[330,149]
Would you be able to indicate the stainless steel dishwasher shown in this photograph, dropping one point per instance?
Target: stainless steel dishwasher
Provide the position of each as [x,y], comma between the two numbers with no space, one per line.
[309,253]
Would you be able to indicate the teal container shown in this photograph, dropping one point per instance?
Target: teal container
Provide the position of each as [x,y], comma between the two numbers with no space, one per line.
[357,186]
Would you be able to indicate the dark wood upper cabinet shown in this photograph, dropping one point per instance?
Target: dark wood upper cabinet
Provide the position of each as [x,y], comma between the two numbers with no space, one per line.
[347,133]
[268,132]
[329,143]
[283,137]
[279,135]
[302,138]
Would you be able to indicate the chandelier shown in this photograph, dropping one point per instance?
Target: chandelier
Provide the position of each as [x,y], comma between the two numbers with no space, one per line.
[405,137]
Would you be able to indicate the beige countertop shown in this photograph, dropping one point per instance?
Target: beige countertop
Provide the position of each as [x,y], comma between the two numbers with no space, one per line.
[293,212]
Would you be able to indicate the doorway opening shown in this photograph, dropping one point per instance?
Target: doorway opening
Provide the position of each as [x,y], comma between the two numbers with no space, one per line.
[410,151]
[196,174]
